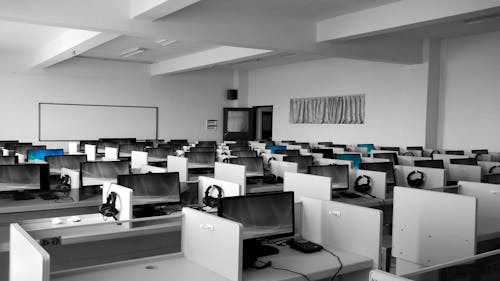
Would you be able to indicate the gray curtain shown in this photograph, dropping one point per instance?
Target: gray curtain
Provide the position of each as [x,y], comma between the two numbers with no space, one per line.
[328,110]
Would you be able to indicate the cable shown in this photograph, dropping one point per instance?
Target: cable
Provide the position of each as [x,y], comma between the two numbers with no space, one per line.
[340,262]
[284,269]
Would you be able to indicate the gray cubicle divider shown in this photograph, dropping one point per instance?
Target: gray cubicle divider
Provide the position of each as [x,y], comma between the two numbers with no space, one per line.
[426,230]
[178,164]
[434,178]
[232,173]
[308,185]
[228,188]
[123,202]
[464,173]
[488,196]
[91,151]
[446,158]
[378,181]
[487,165]
[410,160]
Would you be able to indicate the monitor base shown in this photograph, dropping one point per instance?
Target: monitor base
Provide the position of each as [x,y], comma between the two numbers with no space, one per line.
[253,249]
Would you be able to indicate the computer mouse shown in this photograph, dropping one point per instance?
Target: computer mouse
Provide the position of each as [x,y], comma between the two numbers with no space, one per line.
[74,219]
[56,221]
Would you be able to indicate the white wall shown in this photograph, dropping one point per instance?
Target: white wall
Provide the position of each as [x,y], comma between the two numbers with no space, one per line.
[185,101]
[395,99]
[470,92]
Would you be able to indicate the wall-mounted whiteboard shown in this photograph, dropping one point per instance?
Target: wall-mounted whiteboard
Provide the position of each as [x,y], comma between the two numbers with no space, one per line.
[66,122]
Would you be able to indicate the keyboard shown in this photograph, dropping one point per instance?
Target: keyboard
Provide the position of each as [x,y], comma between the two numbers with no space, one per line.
[348,194]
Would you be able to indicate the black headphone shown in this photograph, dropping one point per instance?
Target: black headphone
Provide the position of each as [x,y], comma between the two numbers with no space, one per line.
[224,153]
[270,159]
[272,179]
[108,209]
[225,160]
[363,187]
[434,152]
[408,153]
[415,182]
[65,184]
[210,201]
[492,169]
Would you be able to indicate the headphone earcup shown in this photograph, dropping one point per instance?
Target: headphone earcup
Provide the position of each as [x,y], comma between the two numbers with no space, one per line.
[362,187]
[415,182]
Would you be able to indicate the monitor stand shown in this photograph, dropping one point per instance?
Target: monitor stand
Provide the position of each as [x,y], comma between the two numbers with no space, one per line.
[253,249]
[23,195]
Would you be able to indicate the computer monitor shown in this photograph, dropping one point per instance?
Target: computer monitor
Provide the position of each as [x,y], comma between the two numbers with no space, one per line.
[201,157]
[24,149]
[24,177]
[327,152]
[304,145]
[84,142]
[101,145]
[390,148]
[263,215]
[118,140]
[325,143]
[288,141]
[160,152]
[99,172]
[338,173]
[72,162]
[355,158]
[240,148]
[303,162]
[386,167]
[202,149]
[438,164]
[164,185]
[480,151]
[454,152]
[125,150]
[179,141]
[5,142]
[420,148]
[464,161]
[244,153]
[174,146]
[206,144]
[369,146]
[392,156]
[289,152]
[8,160]
[40,154]
[13,145]
[344,146]
[273,148]
[254,165]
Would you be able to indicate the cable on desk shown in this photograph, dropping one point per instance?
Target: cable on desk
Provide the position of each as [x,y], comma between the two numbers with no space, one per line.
[284,269]
[340,262]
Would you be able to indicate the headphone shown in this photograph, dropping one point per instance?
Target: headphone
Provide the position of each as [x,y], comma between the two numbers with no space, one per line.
[408,153]
[225,160]
[210,201]
[108,209]
[492,169]
[272,179]
[434,152]
[363,187]
[269,160]
[415,182]
[224,153]
[65,184]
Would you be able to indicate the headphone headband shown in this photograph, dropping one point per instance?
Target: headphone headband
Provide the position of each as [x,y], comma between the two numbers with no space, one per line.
[415,182]
[363,187]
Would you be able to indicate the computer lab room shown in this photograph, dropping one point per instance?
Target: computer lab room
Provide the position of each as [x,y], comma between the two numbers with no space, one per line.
[250,140]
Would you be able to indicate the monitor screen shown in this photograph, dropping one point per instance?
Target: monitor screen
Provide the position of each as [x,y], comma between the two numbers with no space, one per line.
[421,148]
[391,156]
[338,173]
[165,185]
[97,173]
[23,149]
[438,164]
[480,151]
[206,144]
[303,162]
[454,152]
[126,149]
[254,165]
[160,152]
[326,143]
[180,142]
[202,149]
[39,155]
[240,148]
[369,146]
[289,152]
[464,161]
[327,153]
[354,157]
[3,143]
[390,148]
[8,160]
[173,146]
[244,153]
[386,167]
[266,215]
[24,177]
[72,162]
[273,148]
[201,157]
[118,140]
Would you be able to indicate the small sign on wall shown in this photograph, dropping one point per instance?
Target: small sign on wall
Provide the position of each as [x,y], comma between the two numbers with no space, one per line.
[212,125]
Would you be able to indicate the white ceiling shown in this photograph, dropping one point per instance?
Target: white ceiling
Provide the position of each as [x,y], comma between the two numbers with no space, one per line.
[154,52]
[23,37]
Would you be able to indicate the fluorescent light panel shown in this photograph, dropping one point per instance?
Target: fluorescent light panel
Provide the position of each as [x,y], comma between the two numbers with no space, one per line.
[132,52]
[165,42]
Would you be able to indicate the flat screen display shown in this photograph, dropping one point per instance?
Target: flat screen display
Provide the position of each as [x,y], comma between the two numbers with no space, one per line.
[164,185]
[201,157]
[354,158]
[391,156]
[254,165]
[386,167]
[97,173]
[24,177]
[39,154]
[338,173]
[72,162]
[8,160]
[438,164]
[303,162]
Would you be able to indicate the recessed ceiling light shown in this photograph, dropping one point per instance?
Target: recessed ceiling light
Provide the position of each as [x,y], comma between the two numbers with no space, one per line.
[132,52]
[165,42]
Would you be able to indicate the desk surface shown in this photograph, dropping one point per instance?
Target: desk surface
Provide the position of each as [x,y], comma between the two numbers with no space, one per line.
[38,204]
[316,266]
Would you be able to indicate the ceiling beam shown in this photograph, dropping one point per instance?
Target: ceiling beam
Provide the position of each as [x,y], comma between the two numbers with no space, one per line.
[397,16]
[154,9]
[69,44]
[204,59]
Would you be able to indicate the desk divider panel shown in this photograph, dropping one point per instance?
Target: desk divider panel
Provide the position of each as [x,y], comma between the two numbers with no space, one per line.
[278,168]
[431,227]
[464,173]
[486,166]
[434,178]
[327,161]
[28,260]
[90,150]
[293,147]
[111,153]
[417,153]
[446,158]
[379,275]
[378,180]
[343,226]
[73,148]
[373,160]
[178,164]
[123,202]
[229,188]
[308,185]
[5,152]
[410,160]
[213,242]
[152,169]
[21,158]
[232,173]
[138,159]
[488,197]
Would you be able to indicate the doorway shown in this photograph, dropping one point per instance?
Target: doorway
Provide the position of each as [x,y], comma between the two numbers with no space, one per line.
[264,122]
[248,123]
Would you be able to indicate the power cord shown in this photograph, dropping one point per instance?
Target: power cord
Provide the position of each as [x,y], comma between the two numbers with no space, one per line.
[284,269]
[340,262]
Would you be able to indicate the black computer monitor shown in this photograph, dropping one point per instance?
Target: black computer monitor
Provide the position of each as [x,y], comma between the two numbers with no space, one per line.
[344,146]
[386,167]
[174,146]
[103,144]
[160,152]
[3,143]
[389,148]
[13,145]
[464,161]
[454,152]
[8,160]
[23,148]
[207,144]
[72,162]
[326,143]
[254,165]
[303,162]
[392,156]
[251,153]
[239,148]
[164,185]
[179,141]
[327,152]
[89,142]
[289,152]
[438,164]
[201,157]
[420,148]
[40,154]
[125,150]
[480,151]
[118,140]
[264,215]
[338,173]
[24,177]
[96,173]
[202,149]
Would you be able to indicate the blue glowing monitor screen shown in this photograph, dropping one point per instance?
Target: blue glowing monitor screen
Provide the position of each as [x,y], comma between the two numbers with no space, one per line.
[262,215]
[355,158]
[34,155]
[165,185]
[273,148]
[97,173]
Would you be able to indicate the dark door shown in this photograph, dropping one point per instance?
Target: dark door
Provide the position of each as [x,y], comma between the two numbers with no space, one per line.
[267,125]
[238,124]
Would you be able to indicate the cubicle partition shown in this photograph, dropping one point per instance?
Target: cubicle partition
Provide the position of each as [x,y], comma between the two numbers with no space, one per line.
[228,188]
[232,173]
[433,178]
[308,185]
